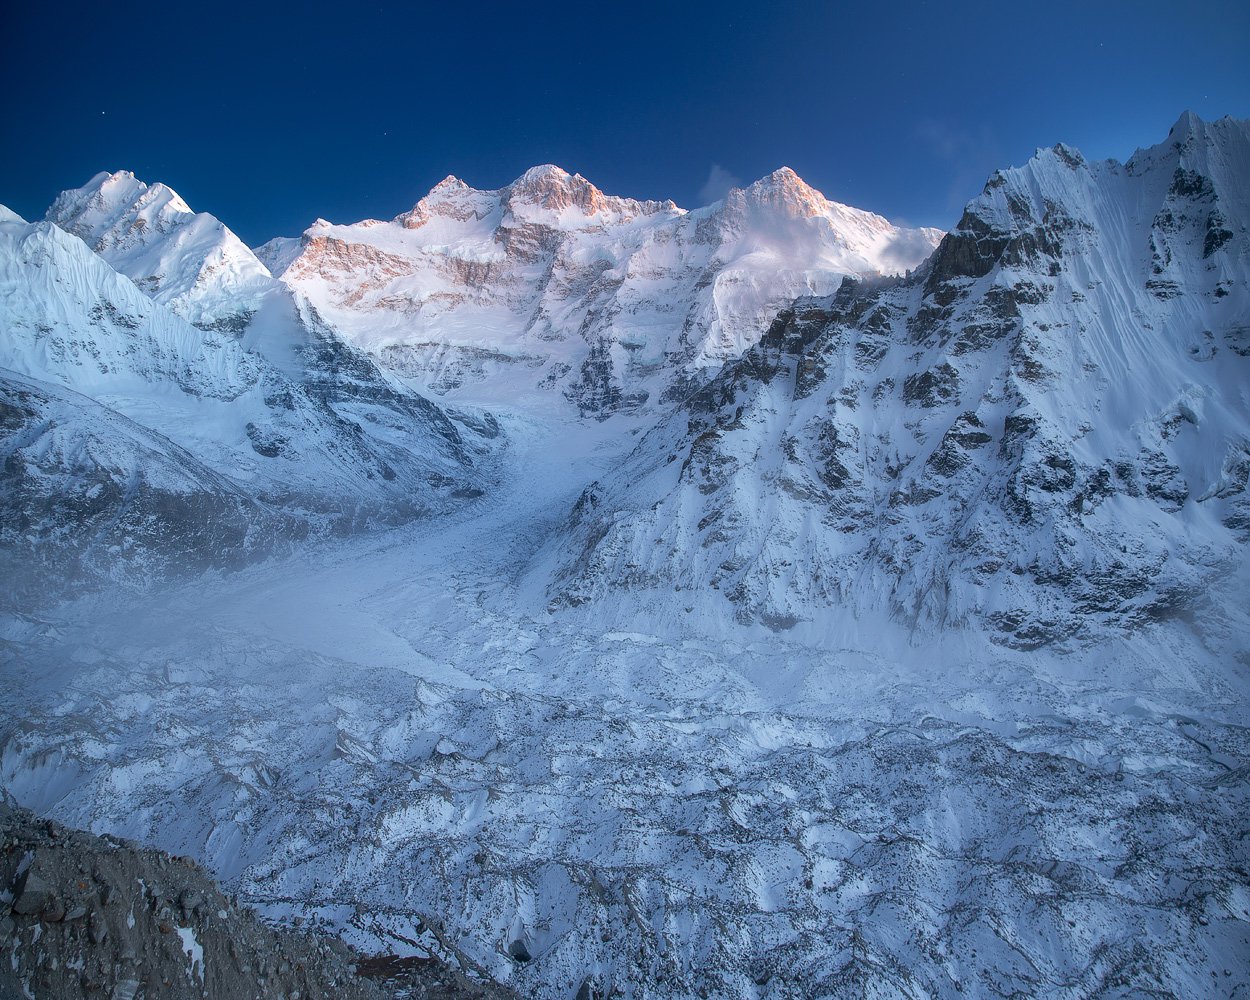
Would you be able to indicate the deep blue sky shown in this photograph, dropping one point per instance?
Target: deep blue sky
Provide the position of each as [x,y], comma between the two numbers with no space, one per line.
[270,115]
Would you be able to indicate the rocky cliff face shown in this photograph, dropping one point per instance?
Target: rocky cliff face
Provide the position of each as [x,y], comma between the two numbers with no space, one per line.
[1043,432]
[550,283]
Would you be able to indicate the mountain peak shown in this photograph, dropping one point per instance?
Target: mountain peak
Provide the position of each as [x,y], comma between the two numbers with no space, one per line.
[1068,154]
[1219,150]
[546,188]
[783,177]
[1188,124]
[551,187]
[120,186]
[545,172]
[188,261]
[448,184]
[451,198]
[783,191]
[107,197]
[109,177]
[1192,131]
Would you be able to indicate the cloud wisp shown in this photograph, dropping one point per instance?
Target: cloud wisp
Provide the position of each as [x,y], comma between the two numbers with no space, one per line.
[719,181]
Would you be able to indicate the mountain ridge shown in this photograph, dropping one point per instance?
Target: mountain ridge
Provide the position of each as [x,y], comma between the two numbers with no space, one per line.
[189,261]
[610,303]
[140,447]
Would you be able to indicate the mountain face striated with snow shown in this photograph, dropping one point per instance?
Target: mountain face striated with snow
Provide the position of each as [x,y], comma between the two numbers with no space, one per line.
[1044,432]
[550,283]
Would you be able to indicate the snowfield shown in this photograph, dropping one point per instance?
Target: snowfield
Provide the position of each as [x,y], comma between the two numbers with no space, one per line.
[903,654]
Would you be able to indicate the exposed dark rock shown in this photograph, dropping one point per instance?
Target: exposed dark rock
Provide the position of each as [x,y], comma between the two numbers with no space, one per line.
[596,392]
[233,323]
[869,352]
[518,952]
[934,387]
[1237,339]
[265,443]
[1217,234]
[1163,289]
[1163,481]
[966,434]
[834,452]
[706,465]
[970,251]
[34,897]
[96,917]
[1188,183]
[972,337]
[106,311]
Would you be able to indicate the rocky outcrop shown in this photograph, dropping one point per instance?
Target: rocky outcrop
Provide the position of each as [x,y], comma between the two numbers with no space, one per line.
[86,916]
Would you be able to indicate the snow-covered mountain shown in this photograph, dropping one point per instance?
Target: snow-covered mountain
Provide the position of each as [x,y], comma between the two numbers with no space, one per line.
[550,283]
[897,647]
[112,394]
[1044,431]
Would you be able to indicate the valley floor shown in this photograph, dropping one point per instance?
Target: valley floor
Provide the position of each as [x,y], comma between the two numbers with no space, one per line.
[391,735]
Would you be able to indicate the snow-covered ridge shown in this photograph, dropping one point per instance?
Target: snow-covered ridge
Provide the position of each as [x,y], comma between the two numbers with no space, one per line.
[904,656]
[544,194]
[71,318]
[186,260]
[549,283]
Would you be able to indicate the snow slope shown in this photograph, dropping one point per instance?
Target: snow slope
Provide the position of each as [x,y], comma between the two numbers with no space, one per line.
[90,497]
[550,283]
[378,735]
[1044,432]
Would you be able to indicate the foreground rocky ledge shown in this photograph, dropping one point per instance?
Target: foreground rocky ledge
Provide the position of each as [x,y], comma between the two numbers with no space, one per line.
[87,916]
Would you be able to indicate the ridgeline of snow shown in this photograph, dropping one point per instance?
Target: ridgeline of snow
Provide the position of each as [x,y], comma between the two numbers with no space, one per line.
[186,260]
[138,444]
[550,284]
